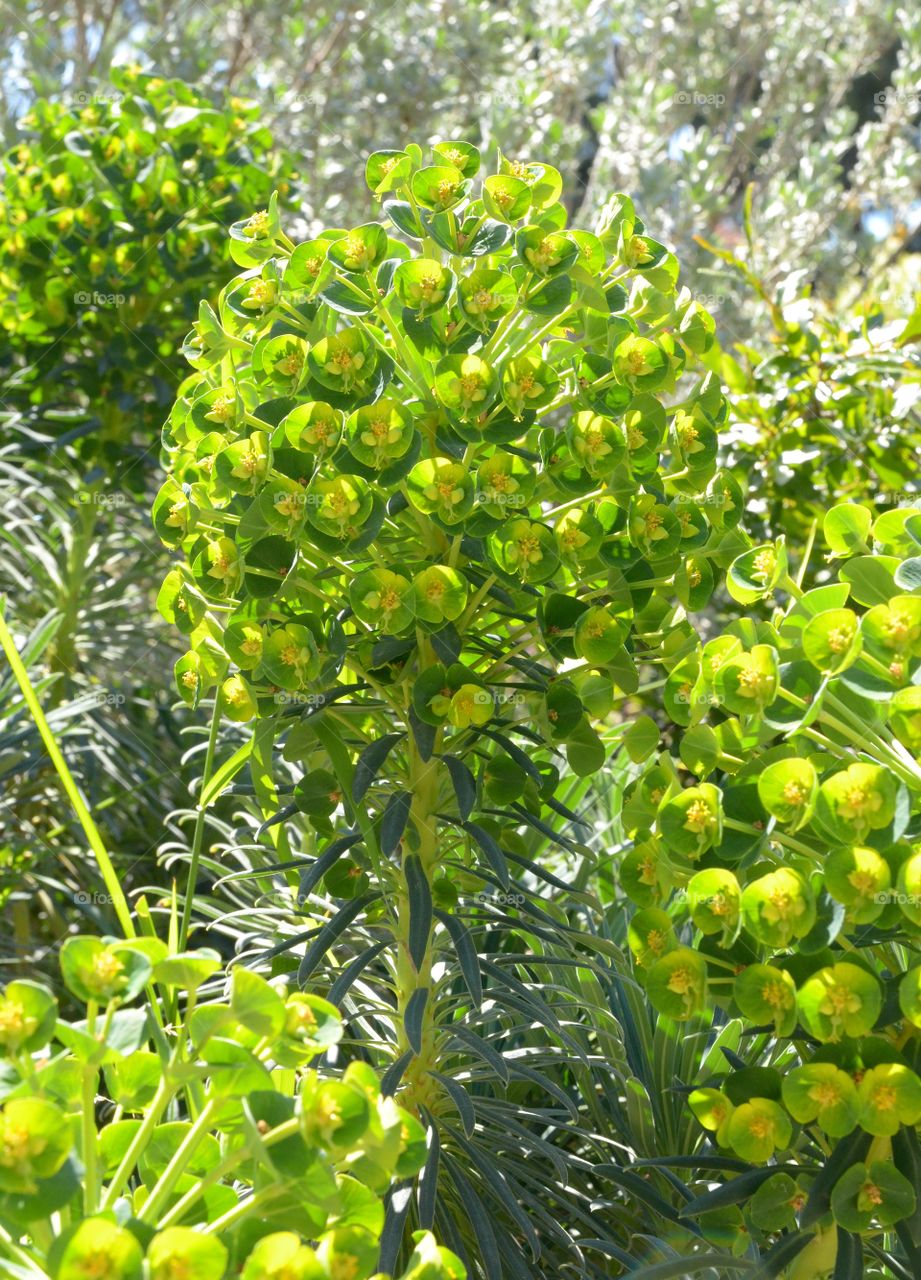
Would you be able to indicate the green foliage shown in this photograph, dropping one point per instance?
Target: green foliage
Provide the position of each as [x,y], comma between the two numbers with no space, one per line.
[214,1157]
[830,413]
[434,509]
[784,884]
[114,215]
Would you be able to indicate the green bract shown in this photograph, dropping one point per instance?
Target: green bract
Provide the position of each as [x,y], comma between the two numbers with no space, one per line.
[778,907]
[822,1092]
[839,1000]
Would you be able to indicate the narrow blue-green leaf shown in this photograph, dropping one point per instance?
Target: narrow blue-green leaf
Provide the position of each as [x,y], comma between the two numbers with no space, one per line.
[466,953]
[414,1016]
[318,869]
[428,1178]
[394,820]
[332,930]
[420,909]
[399,1203]
[464,785]
[390,1080]
[369,763]
[459,1096]
[494,855]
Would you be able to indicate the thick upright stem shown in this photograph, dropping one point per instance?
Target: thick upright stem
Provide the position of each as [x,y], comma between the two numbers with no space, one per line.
[423,784]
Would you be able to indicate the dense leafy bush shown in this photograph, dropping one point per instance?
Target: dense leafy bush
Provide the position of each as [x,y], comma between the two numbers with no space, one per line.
[435,508]
[114,213]
[830,412]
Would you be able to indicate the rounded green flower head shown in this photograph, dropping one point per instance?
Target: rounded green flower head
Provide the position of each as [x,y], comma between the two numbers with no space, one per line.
[778,907]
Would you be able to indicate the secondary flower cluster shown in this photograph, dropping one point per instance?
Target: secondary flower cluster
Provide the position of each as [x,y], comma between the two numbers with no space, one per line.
[225,1152]
[111,223]
[784,884]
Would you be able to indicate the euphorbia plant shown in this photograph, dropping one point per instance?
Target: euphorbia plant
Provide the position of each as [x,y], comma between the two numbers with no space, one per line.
[198,1148]
[114,208]
[438,498]
[783,886]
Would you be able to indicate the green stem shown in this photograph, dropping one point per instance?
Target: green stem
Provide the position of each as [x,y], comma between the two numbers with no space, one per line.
[90,830]
[245,1207]
[236,1157]
[88,1123]
[199,832]
[174,1170]
[139,1142]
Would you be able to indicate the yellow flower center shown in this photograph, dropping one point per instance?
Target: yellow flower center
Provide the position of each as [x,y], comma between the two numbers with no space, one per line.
[839,999]
[795,793]
[681,981]
[765,563]
[825,1093]
[840,638]
[291,364]
[12,1017]
[699,817]
[760,1127]
[753,683]
[776,995]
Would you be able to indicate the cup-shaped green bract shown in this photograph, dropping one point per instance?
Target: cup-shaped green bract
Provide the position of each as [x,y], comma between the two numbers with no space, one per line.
[766,993]
[99,1243]
[831,640]
[757,1129]
[857,800]
[198,1256]
[890,1096]
[822,1092]
[677,984]
[840,1000]
[876,1194]
[788,790]
[778,907]
[35,1140]
[282,1255]
[28,1013]
[714,900]
[860,878]
[100,971]
[692,821]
